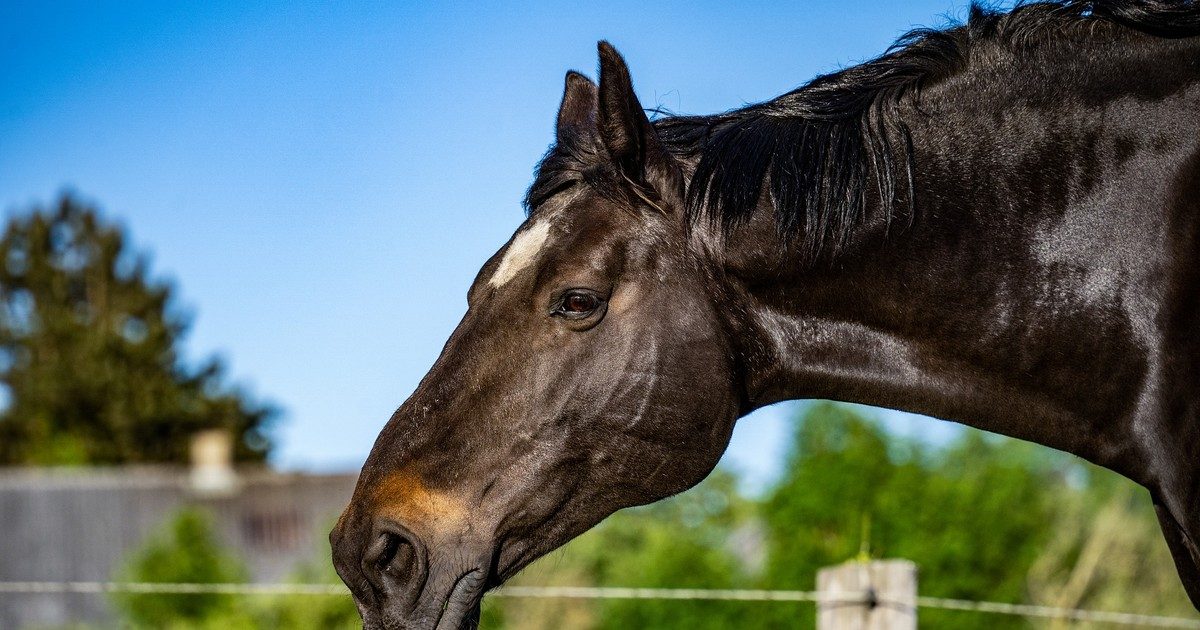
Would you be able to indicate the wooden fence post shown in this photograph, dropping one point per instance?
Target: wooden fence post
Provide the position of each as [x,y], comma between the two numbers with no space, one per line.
[876,595]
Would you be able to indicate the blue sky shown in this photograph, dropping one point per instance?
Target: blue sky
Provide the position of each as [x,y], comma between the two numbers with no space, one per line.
[323,181]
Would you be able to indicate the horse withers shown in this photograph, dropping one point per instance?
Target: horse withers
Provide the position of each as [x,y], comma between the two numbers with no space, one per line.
[997,224]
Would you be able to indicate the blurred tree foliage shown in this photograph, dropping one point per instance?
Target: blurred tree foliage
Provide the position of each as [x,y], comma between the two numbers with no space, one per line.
[705,538]
[984,517]
[974,517]
[89,352]
[290,612]
[1106,552]
[185,551]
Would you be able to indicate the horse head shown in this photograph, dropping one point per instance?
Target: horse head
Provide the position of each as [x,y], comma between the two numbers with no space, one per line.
[592,371]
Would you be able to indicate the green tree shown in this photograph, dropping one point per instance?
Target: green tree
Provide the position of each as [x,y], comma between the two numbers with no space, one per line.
[973,516]
[89,356]
[984,517]
[688,541]
[318,612]
[185,551]
[1107,553]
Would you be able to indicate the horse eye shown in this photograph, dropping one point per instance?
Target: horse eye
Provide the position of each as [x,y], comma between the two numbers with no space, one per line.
[580,303]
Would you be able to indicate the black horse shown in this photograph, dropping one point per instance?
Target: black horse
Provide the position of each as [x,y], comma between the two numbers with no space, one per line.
[997,224]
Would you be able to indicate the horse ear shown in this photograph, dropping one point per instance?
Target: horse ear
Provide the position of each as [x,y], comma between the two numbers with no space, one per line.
[577,114]
[627,133]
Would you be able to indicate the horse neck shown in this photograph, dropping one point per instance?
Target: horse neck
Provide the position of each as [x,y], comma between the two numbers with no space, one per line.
[976,313]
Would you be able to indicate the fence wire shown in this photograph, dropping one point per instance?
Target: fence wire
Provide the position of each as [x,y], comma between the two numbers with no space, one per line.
[613,592]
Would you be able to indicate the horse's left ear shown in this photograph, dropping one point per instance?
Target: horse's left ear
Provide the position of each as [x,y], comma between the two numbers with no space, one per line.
[577,113]
[627,134]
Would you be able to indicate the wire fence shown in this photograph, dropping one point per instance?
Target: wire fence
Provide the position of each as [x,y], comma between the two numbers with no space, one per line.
[610,592]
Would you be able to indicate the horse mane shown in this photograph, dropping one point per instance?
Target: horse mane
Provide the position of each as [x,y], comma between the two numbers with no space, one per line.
[818,148]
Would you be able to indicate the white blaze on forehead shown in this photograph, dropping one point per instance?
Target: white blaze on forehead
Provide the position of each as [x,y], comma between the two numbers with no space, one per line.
[523,251]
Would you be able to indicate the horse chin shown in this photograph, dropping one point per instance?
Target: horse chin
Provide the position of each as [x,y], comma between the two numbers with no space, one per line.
[458,610]
[465,602]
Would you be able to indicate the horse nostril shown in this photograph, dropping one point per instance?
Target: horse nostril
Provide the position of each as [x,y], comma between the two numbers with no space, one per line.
[396,556]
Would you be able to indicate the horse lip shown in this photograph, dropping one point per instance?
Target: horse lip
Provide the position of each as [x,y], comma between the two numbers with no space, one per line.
[463,599]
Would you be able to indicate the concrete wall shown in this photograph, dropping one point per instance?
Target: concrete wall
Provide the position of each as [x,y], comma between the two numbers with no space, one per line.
[79,524]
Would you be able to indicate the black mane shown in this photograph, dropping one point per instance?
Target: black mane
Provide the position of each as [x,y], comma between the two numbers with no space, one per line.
[820,147]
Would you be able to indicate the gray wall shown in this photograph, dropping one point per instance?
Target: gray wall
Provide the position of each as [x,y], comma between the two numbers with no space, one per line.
[79,524]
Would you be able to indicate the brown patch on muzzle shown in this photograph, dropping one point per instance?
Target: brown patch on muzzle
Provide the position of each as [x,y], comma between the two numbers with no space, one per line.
[404,497]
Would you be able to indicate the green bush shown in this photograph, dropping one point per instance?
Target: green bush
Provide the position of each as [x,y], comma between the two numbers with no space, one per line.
[310,612]
[184,551]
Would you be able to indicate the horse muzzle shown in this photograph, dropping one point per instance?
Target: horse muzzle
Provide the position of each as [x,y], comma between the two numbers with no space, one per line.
[399,583]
